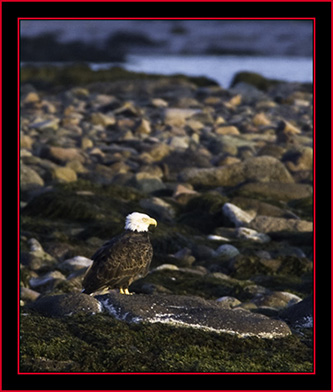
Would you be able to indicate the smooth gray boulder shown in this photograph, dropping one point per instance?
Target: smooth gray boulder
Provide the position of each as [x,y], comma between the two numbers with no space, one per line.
[191,311]
[255,169]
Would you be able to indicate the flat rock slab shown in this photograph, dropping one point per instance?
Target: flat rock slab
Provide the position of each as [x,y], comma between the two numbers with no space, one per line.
[61,305]
[191,311]
[299,315]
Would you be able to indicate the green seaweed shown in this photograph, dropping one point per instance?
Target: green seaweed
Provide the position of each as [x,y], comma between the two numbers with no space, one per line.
[80,74]
[205,208]
[100,343]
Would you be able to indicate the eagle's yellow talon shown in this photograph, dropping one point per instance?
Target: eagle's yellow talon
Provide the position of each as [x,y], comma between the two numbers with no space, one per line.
[125,291]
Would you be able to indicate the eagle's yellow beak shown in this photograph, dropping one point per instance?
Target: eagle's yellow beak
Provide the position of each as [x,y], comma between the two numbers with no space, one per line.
[152,222]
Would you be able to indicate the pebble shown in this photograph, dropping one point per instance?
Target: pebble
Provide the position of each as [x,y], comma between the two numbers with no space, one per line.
[159,208]
[173,143]
[263,169]
[267,224]
[299,315]
[46,279]
[29,178]
[102,119]
[274,190]
[74,263]
[227,130]
[143,128]
[64,175]
[228,302]
[62,154]
[177,117]
[66,305]
[236,215]
[276,299]
[27,294]
[226,252]
[252,235]
[37,257]
[148,183]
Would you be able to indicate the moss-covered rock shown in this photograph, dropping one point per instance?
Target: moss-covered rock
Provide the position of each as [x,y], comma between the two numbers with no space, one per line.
[204,212]
[81,74]
[254,79]
[100,343]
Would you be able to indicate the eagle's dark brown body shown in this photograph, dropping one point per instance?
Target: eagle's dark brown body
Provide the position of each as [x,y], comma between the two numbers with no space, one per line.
[119,262]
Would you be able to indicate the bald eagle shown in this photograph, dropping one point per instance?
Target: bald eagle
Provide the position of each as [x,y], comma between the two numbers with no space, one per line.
[123,259]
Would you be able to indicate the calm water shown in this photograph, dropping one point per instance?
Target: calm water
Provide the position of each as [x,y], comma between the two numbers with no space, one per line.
[223,68]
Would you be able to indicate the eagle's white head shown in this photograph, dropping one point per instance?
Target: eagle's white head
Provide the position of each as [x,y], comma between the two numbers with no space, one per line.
[139,222]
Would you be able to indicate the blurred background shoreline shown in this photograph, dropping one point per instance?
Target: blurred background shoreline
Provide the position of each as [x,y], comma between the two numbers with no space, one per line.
[216,49]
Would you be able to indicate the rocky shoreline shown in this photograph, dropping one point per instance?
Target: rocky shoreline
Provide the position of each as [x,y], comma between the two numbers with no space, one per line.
[227,173]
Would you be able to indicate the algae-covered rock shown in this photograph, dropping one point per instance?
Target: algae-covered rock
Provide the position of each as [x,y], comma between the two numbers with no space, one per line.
[262,169]
[204,212]
[193,312]
[299,315]
[29,179]
[85,343]
[254,79]
[268,224]
[274,191]
[66,305]
[36,257]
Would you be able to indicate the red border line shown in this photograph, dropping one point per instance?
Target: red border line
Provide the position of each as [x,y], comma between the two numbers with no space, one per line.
[161,18]
[165,1]
[18,131]
[18,191]
[1,196]
[314,192]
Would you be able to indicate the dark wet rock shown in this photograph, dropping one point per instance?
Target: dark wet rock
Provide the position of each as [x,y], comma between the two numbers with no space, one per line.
[66,305]
[300,158]
[245,233]
[259,207]
[147,183]
[226,252]
[159,208]
[27,294]
[29,179]
[254,79]
[276,299]
[196,280]
[74,264]
[184,257]
[194,312]
[204,208]
[61,154]
[274,191]
[64,174]
[263,169]
[236,215]
[228,302]
[47,282]
[36,257]
[268,224]
[299,315]
[243,266]
[60,204]
[177,116]
[185,159]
